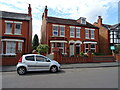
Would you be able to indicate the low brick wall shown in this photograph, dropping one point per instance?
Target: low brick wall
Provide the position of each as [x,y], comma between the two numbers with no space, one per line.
[10,60]
[67,59]
[107,58]
[74,60]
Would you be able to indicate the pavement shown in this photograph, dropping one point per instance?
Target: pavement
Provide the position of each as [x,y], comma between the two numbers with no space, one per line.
[69,66]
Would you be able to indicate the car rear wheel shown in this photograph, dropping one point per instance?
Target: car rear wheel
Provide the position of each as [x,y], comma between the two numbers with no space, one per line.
[53,69]
[21,70]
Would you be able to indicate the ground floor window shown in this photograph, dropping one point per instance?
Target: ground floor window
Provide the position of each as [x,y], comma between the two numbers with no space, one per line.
[10,47]
[90,47]
[52,46]
[19,46]
[86,48]
[93,48]
[61,47]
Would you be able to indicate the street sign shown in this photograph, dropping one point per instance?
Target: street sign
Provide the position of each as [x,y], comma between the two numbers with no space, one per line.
[112,47]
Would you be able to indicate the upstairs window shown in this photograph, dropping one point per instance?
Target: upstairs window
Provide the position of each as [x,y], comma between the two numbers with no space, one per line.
[92,34]
[55,30]
[83,20]
[8,28]
[87,33]
[17,28]
[77,32]
[72,34]
[62,31]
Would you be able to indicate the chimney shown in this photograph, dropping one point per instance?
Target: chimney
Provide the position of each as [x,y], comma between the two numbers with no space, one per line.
[99,20]
[45,12]
[29,10]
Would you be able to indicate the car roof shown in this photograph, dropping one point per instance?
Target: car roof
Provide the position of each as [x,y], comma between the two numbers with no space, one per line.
[32,54]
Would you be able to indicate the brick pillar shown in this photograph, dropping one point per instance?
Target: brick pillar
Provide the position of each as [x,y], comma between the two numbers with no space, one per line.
[90,57]
[57,55]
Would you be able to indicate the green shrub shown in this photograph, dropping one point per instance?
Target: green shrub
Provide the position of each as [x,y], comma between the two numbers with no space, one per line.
[43,48]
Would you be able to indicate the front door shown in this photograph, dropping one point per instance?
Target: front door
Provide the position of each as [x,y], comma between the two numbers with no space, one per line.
[71,49]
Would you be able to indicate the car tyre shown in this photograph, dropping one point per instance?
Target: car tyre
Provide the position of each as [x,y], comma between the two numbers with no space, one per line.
[21,70]
[53,69]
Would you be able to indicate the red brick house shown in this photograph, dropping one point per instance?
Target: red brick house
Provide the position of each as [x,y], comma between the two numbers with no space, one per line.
[16,35]
[106,35]
[70,36]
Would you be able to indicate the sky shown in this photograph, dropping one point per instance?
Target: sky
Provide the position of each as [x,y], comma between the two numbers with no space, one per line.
[68,9]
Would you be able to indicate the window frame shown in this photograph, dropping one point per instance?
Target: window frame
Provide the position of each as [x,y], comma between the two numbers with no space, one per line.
[78,31]
[87,34]
[92,34]
[10,29]
[54,30]
[93,48]
[16,30]
[19,46]
[9,45]
[72,31]
[62,31]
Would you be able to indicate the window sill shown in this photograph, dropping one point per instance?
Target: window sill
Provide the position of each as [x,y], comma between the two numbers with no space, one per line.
[8,55]
[8,33]
[17,34]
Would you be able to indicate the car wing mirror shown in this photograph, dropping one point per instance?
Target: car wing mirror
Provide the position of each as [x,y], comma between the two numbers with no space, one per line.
[48,60]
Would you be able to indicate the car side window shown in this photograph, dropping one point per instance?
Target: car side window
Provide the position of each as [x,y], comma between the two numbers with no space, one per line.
[30,58]
[41,59]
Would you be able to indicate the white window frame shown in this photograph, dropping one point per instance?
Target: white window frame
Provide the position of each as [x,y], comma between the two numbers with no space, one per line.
[19,46]
[78,32]
[87,33]
[54,30]
[6,29]
[52,46]
[8,44]
[62,31]
[92,34]
[83,20]
[16,30]
[72,31]
[2,48]
[62,48]
[93,48]
[86,48]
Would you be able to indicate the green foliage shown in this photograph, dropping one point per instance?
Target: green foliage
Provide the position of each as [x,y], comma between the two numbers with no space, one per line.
[117,49]
[43,48]
[35,42]
[81,54]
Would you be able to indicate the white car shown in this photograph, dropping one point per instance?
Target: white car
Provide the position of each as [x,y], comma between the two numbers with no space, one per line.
[36,62]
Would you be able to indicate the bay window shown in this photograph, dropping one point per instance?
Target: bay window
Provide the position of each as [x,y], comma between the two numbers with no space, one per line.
[10,47]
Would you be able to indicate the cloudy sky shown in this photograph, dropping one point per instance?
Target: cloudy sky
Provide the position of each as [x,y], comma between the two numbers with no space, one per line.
[69,9]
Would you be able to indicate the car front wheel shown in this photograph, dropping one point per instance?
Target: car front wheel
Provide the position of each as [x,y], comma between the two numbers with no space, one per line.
[21,70]
[53,69]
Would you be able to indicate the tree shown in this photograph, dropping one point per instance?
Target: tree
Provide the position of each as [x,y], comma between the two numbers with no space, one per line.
[35,42]
[42,48]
